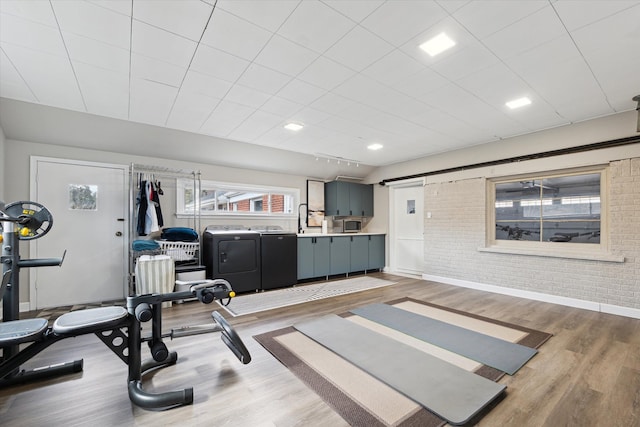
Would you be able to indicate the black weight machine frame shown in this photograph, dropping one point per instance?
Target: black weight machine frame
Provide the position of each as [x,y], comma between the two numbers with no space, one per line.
[119,328]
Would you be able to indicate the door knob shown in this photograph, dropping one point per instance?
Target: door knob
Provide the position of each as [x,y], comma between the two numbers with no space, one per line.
[118,233]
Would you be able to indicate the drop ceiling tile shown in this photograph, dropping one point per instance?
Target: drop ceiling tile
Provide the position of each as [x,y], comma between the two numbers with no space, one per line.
[255,125]
[577,14]
[269,15]
[274,137]
[217,63]
[56,87]
[300,92]
[401,20]
[262,78]
[185,18]
[496,85]
[151,102]
[204,84]
[355,10]
[420,84]
[247,96]
[35,11]
[468,60]
[122,7]
[325,73]
[285,56]
[281,107]
[106,93]
[159,44]
[486,17]
[95,22]
[226,117]
[234,35]
[309,116]
[96,53]
[143,67]
[518,37]
[28,34]
[451,6]
[358,49]
[332,103]
[11,84]
[315,25]
[190,111]
[393,68]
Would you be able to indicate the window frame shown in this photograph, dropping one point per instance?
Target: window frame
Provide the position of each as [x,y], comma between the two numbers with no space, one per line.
[182,185]
[596,251]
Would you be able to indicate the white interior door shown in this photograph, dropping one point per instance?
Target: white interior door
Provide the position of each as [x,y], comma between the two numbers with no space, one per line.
[407,240]
[89,207]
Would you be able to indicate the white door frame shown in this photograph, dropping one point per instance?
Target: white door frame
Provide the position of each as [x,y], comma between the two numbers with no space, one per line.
[33,194]
[393,186]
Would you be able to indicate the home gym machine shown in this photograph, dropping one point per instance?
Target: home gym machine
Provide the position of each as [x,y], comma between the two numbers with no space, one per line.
[119,328]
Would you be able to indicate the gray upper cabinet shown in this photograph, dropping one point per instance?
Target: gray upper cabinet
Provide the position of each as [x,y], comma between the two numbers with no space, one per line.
[343,198]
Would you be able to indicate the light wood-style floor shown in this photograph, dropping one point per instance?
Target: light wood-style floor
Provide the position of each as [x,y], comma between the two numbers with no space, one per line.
[587,374]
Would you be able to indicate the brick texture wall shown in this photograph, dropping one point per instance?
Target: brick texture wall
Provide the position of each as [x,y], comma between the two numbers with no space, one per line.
[457,229]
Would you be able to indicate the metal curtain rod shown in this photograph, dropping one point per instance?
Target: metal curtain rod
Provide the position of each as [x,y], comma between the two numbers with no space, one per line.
[160,170]
[571,150]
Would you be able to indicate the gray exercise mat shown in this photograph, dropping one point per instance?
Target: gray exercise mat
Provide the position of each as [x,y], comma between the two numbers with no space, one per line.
[446,390]
[491,351]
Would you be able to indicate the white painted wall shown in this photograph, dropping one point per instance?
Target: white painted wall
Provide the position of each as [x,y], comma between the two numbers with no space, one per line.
[457,227]
[2,169]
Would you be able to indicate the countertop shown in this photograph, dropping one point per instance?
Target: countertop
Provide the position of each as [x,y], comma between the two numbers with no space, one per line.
[336,234]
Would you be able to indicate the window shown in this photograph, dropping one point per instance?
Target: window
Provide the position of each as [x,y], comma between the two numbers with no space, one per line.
[556,209]
[224,198]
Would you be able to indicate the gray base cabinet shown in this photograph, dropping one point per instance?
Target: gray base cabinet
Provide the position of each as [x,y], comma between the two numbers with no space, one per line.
[331,255]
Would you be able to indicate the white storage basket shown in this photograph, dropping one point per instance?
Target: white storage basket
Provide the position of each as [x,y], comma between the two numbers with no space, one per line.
[179,251]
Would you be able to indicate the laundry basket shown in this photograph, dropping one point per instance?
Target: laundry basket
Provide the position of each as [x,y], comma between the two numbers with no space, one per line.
[179,251]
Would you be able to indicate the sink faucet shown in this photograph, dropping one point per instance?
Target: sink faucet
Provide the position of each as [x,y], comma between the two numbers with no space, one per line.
[299,218]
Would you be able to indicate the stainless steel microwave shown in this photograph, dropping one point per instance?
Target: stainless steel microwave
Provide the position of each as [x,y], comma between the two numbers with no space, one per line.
[351,226]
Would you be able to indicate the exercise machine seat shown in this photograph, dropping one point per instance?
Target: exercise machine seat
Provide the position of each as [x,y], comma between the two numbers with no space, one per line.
[19,331]
[89,320]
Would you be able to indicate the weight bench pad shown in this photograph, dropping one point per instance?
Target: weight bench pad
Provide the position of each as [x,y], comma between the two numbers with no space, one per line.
[19,331]
[89,320]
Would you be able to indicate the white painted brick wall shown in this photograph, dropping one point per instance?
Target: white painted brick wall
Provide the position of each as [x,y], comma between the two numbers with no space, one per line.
[457,226]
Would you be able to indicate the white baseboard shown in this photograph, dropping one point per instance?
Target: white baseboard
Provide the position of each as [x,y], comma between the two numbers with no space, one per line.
[539,296]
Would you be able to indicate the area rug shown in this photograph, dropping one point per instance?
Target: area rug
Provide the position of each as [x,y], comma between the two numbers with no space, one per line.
[361,399]
[268,300]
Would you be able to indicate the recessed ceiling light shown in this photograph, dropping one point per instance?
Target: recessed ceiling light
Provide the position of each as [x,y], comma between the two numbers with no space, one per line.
[374,147]
[438,44]
[517,103]
[293,126]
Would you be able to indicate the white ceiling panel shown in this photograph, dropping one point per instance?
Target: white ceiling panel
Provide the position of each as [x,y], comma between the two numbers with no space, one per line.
[195,82]
[301,92]
[225,118]
[143,67]
[93,21]
[399,21]
[489,16]
[325,73]
[266,14]
[356,10]
[32,35]
[350,70]
[106,93]
[246,96]
[186,18]
[234,35]
[315,25]
[262,78]
[285,56]
[11,84]
[217,63]
[358,49]
[55,87]
[160,44]
[151,102]
[96,53]
[190,111]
